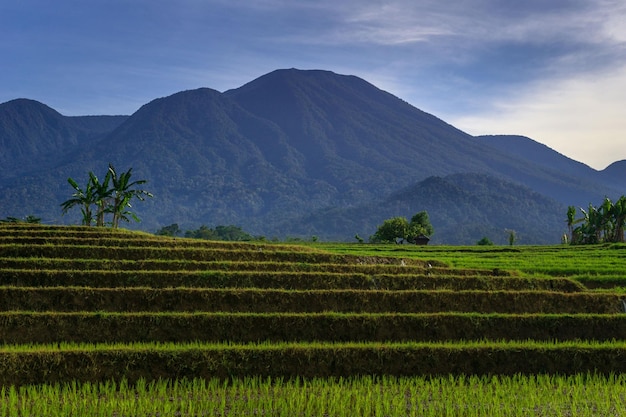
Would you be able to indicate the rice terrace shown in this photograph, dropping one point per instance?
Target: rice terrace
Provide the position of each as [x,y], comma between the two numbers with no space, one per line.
[97,321]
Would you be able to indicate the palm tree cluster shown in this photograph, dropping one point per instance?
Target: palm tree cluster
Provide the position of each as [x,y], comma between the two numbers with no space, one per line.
[111,196]
[604,223]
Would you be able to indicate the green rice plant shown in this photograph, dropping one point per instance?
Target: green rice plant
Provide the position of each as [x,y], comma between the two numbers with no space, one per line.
[582,395]
[594,260]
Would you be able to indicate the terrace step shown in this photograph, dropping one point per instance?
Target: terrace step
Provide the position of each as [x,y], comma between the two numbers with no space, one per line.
[99,327]
[32,364]
[313,301]
[248,254]
[346,265]
[275,279]
[140,241]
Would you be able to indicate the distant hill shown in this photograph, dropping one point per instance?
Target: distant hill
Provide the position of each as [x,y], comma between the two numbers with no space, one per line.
[284,148]
[462,208]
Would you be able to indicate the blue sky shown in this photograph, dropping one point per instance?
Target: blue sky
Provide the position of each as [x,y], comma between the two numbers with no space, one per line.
[553,70]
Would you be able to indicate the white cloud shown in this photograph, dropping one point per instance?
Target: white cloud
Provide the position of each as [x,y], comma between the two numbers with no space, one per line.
[580,117]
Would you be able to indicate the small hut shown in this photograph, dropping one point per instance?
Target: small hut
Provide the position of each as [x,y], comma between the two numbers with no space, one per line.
[421,240]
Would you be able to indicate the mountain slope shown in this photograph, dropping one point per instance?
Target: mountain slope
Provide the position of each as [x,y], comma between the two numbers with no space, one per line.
[615,174]
[535,153]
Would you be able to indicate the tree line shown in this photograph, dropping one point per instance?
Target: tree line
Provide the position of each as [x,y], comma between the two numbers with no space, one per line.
[229,233]
[604,223]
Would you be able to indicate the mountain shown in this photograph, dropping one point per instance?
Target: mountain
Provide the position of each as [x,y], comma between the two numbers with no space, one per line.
[286,147]
[34,136]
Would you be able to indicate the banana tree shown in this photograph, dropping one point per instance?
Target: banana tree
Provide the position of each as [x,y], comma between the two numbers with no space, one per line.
[607,221]
[85,198]
[619,219]
[122,193]
[103,193]
[571,220]
[590,230]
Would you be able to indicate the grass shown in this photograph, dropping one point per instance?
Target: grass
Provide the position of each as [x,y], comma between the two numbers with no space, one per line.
[589,262]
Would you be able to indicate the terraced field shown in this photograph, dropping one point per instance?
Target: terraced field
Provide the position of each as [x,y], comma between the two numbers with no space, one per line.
[90,305]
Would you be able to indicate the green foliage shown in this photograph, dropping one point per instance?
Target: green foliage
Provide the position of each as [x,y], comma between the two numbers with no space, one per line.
[604,223]
[227,233]
[113,195]
[485,241]
[28,219]
[171,230]
[400,228]
[421,224]
[391,229]
[122,192]
[512,236]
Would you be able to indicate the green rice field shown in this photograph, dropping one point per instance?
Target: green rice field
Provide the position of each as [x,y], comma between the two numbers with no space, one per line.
[96,321]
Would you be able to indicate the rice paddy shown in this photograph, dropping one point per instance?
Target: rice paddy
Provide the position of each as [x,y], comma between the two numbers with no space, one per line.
[101,322]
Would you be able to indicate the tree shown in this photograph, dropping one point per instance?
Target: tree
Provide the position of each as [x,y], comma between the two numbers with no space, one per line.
[171,230]
[605,223]
[102,193]
[485,241]
[619,217]
[28,219]
[112,195]
[571,220]
[203,232]
[231,233]
[85,198]
[419,225]
[122,194]
[391,229]
[401,228]
[512,235]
